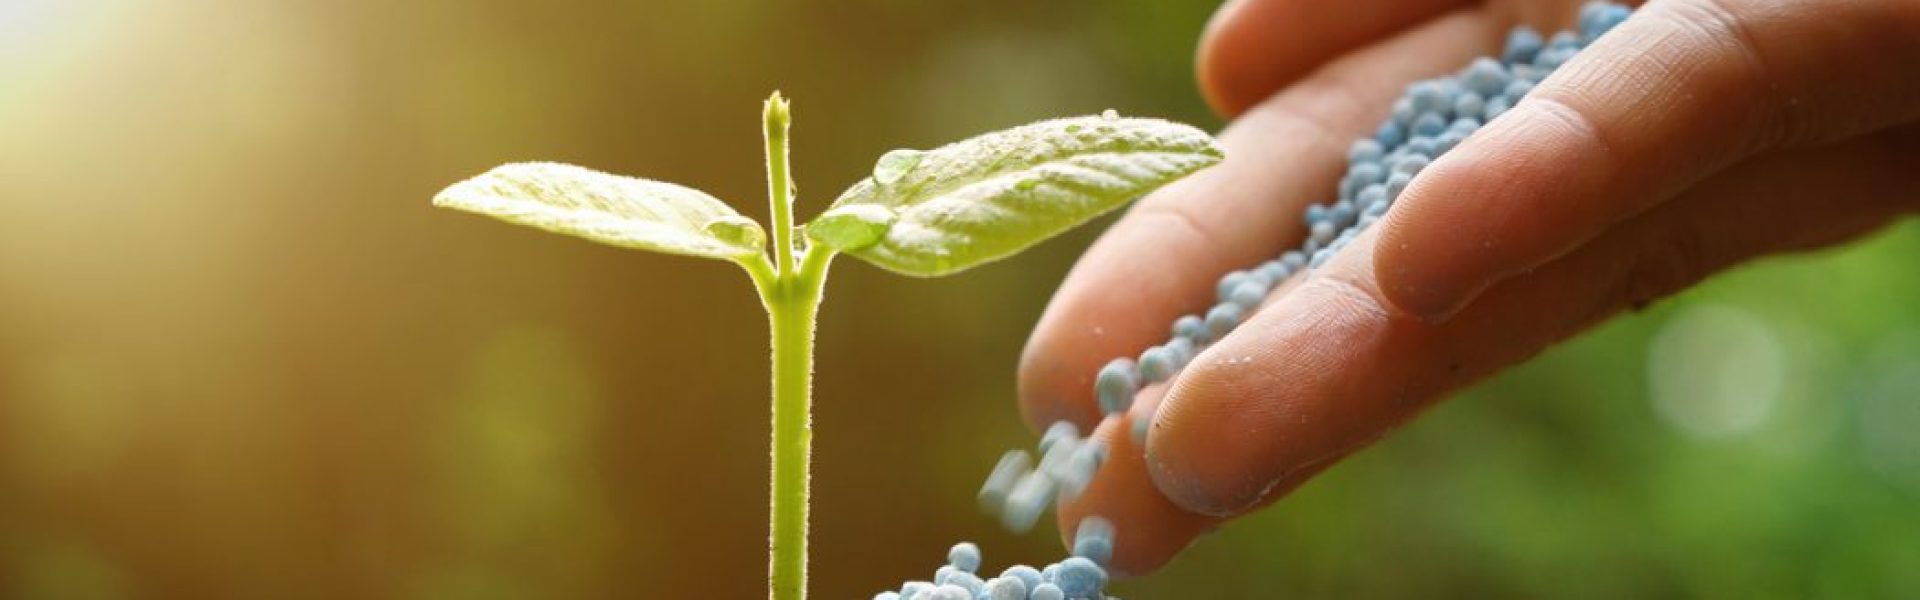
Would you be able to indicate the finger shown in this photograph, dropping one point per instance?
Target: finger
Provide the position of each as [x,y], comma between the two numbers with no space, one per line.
[1154,527]
[1149,529]
[1333,365]
[1163,257]
[1677,92]
[1252,48]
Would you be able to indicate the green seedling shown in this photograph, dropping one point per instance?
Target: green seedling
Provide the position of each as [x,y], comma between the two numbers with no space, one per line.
[921,213]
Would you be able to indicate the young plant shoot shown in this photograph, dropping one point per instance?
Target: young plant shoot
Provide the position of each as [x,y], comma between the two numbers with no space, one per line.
[921,213]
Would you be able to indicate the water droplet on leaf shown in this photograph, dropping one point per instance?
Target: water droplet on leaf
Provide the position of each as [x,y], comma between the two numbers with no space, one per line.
[735,230]
[1110,114]
[895,164]
[852,227]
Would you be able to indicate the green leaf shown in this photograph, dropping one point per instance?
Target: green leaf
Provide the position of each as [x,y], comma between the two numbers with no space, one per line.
[611,209]
[986,198]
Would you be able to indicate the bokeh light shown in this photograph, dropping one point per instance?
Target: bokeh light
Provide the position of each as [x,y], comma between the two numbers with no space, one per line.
[1716,371]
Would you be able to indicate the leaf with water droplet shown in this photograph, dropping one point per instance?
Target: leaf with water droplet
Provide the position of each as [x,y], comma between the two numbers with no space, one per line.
[895,164]
[985,198]
[851,227]
[628,212]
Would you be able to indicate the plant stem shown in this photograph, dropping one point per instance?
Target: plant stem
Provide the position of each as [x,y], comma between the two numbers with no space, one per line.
[791,316]
[779,189]
[792,324]
[792,296]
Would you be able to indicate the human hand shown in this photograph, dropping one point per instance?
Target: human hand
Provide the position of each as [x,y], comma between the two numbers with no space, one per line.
[1699,134]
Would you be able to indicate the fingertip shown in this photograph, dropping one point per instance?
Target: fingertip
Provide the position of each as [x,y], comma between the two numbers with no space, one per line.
[1217,61]
[1464,224]
[1149,529]
[1198,453]
[1278,395]
[1087,324]
[1253,48]
[1052,382]
[1146,271]
[1411,267]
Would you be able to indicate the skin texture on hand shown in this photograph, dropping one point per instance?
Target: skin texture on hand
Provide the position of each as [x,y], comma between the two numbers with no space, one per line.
[1697,135]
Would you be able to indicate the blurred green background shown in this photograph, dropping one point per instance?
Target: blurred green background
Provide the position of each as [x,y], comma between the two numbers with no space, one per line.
[240,356]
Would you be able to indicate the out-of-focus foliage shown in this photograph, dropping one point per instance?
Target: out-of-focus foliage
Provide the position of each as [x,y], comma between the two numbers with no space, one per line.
[240,355]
